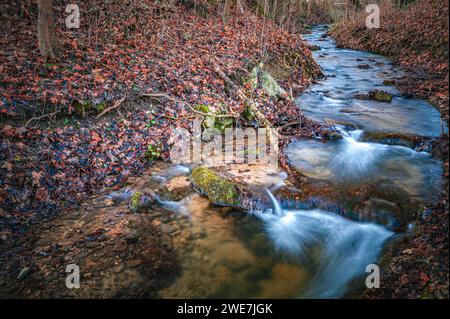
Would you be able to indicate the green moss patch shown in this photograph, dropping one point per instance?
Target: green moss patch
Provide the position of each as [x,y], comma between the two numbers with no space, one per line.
[217,189]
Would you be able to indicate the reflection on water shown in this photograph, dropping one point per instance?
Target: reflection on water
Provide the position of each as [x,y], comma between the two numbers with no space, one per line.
[350,161]
[311,254]
[332,100]
[273,254]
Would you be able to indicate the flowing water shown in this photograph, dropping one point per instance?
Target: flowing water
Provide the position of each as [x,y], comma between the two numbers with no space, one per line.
[320,246]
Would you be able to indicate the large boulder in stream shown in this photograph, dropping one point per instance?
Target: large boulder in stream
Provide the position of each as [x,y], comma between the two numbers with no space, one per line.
[217,189]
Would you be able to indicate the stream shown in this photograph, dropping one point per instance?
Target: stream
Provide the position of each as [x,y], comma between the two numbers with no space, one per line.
[359,192]
[369,185]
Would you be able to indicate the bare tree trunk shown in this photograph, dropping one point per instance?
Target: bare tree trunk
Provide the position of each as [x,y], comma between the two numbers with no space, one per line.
[308,9]
[226,10]
[46,29]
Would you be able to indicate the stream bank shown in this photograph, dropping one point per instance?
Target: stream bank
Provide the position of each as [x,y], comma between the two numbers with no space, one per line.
[419,266]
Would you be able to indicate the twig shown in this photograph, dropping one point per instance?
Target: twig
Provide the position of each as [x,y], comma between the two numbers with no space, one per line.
[164,95]
[41,117]
[112,107]
[179,117]
[288,124]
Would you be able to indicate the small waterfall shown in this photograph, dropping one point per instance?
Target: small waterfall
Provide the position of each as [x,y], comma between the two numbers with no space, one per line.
[173,206]
[345,247]
[177,170]
[275,204]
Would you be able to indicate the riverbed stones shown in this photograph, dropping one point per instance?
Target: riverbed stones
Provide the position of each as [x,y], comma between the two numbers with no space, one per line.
[271,86]
[133,236]
[286,280]
[361,96]
[380,96]
[376,95]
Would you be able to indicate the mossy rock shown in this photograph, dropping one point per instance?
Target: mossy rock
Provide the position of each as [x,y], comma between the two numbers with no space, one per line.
[271,86]
[220,123]
[100,107]
[248,114]
[208,122]
[202,108]
[217,189]
[314,47]
[389,82]
[139,201]
[260,78]
[380,96]
[223,123]
[81,107]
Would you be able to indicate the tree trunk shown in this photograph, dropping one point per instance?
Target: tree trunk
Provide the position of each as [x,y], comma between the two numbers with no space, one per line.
[226,10]
[308,9]
[46,29]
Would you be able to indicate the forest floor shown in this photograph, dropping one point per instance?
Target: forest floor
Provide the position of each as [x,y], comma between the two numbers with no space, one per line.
[57,148]
[417,39]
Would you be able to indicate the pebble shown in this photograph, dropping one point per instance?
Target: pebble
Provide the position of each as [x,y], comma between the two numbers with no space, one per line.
[23,273]
[133,236]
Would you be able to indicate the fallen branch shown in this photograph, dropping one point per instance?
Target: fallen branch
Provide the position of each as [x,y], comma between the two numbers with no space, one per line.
[112,107]
[41,117]
[289,124]
[164,95]
[168,97]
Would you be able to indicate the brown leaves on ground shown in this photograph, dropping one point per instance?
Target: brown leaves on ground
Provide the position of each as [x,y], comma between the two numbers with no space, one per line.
[161,48]
[46,171]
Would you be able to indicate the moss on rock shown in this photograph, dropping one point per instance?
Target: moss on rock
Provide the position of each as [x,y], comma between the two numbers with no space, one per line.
[380,96]
[217,189]
[261,78]
[140,201]
[271,86]
[136,201]
[220,123]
